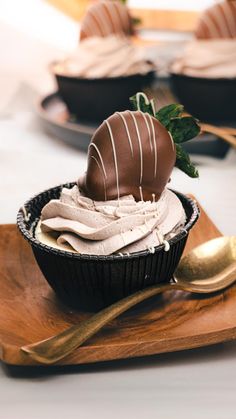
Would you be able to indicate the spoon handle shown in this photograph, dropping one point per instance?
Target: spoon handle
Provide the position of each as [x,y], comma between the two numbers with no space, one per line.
[223,133]
[58,347]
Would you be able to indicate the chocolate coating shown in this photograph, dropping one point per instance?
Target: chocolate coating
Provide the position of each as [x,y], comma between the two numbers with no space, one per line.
[105,18]
[218,21]
[130,153]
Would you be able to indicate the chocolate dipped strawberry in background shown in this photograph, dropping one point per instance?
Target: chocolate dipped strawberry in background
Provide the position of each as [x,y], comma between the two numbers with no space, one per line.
[203,76]
[212,54]
[106,18]
[107,67]
[218,21]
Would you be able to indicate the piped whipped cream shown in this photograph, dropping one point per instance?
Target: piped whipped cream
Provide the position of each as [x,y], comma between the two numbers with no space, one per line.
[77,223]
[112,56]
[215,58]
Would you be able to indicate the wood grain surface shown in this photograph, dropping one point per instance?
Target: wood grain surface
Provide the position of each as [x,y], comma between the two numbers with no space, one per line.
[171,322]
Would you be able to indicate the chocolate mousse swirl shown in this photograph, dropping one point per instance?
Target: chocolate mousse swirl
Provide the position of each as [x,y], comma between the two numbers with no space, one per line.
[113,56]
[214,58]
[131,153]
[104,228]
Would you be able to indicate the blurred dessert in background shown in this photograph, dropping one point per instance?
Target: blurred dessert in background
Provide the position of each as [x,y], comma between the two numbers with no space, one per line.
[105,18]
[112,56]
[218,21]
[107,67]
[212,54]
[215,58]
[106,48]
[203,77]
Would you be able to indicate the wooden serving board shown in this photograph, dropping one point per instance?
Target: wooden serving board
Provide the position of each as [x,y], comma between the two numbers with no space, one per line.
[167,323]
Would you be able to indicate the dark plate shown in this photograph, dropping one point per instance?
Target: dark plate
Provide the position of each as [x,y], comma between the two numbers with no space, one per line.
[57,121]
[210,100]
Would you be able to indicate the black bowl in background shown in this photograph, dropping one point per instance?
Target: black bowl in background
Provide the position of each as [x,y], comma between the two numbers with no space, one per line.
[210,100]
[92,282]
[97,99]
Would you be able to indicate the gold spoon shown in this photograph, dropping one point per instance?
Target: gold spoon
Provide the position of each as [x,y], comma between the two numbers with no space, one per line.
[208,268]
[226,133]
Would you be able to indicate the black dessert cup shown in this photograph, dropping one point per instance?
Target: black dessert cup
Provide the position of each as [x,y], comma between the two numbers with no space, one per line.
[94,100]
[210,100]
[91,282]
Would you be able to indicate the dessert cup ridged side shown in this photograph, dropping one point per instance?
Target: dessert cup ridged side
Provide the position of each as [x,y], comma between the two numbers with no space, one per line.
[97,99]
[92,282]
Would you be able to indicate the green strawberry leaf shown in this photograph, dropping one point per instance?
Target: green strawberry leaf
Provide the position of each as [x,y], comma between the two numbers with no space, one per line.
[140,102]
[165,114]
[136,21]
[184,163]
[183,129]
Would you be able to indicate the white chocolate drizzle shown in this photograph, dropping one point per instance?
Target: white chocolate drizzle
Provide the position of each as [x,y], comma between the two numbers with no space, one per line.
[172,141]
[127,131]
[119,22]
[88,29]
[220,22]
[104,21]
[152,103]
[141,192]
[125,15]
[230,18]
[155,146]
[162,240]
[104,182]
[140,147]
[148,128]
[100,28]
[210,25]
[138,96]
[115,157]
[100,157]
[146,100]
[166,245]
[105,18]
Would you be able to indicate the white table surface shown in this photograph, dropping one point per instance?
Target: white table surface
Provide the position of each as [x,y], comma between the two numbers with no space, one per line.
[188,385]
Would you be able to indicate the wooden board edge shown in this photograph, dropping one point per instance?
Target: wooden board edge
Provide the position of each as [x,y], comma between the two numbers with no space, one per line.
[11,355]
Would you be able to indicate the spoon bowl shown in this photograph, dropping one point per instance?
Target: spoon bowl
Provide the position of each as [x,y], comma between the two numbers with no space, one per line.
[208,268]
